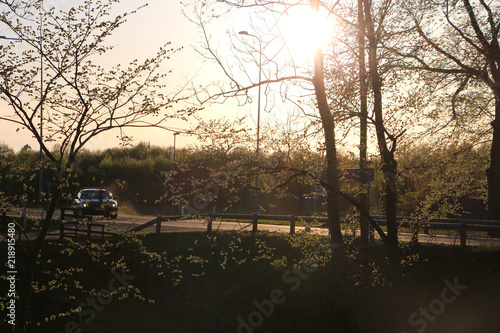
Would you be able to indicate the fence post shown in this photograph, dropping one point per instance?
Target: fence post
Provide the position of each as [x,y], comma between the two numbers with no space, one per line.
[158,225]
[255,221]
[61,227]
[209,225]
[292,224]
[89,229]
[415,224]
[61,230]
[463,234]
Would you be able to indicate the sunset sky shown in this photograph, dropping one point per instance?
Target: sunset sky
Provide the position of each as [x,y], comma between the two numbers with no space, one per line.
[142,36]
[139,38]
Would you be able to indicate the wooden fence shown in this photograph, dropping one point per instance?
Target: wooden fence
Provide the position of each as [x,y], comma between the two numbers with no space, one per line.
[75,226]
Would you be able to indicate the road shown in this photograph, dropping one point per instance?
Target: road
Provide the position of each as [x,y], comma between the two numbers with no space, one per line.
[199,225]
[126,222]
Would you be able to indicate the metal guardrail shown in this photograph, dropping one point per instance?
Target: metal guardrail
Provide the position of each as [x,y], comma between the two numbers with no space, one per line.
[461,225]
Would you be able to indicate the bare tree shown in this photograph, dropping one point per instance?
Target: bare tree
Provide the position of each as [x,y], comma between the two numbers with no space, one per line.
[386,142]
[279,73]
[77,99]
[370,26]
[467,49]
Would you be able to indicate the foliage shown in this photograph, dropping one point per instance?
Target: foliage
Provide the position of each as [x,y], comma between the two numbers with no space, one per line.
[225,272]
[57,91]
[78,99]
[434,181]
[445,181]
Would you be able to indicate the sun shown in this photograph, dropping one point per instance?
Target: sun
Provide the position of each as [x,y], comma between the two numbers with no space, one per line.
[305,30]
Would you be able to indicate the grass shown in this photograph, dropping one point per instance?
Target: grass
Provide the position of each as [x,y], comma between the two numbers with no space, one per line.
[222,276]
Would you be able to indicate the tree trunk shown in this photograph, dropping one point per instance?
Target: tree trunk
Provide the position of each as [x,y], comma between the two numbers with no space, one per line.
[389,164]
[332,164]
[389,168]
[342,312]
[27,278]
[364,260]
[493,172]
[363,139]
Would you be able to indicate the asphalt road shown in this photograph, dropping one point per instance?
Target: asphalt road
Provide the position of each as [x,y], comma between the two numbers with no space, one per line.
[126,222]
[192,225]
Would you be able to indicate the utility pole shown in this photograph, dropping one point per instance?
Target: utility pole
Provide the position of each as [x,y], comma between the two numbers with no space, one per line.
[363,143]
[256,195]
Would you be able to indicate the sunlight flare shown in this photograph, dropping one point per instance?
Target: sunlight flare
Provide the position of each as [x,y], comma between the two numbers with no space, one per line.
[305,30]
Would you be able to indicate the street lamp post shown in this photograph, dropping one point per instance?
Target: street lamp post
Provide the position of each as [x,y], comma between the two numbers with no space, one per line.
[40,177]
[175,135]
[256,197]
[175,169]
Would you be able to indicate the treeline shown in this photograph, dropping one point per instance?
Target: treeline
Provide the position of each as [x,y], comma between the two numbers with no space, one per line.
[433,181]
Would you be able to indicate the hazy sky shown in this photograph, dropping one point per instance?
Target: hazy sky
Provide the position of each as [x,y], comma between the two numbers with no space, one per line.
[139,38]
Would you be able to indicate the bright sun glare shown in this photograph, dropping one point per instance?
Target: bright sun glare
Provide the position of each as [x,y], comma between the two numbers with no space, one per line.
[305,30]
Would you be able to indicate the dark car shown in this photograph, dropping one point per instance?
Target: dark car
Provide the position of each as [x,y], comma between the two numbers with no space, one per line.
[96,201]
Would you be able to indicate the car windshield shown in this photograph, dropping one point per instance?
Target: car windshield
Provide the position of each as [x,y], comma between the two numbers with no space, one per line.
[96,194]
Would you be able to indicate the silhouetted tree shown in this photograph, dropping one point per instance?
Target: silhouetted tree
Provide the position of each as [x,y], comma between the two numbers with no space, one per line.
[77,99]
